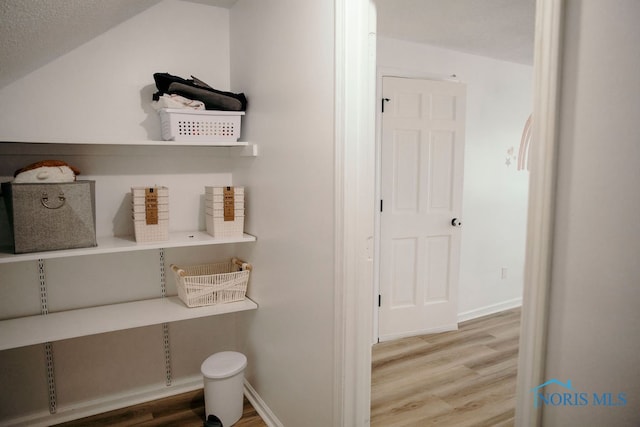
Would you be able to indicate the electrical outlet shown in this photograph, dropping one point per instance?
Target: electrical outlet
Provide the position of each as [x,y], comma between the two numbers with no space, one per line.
[503,274]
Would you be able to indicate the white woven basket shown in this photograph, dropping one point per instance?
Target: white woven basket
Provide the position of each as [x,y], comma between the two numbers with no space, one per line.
[218,227]
[200,125]
[144,232]
[139,193]
[215,283]
[151,232]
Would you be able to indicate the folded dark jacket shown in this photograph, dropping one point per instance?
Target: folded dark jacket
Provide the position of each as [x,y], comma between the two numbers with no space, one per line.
[197,90]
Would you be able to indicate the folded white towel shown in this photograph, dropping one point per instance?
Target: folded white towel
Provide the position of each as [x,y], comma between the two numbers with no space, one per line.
[177,101]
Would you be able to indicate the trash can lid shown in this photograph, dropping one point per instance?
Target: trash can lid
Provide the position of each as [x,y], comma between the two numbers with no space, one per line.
[223,364]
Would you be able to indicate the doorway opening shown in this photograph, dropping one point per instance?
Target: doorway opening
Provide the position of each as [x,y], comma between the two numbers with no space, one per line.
[495,195]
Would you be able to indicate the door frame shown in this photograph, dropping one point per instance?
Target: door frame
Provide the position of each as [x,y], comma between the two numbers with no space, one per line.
[382,72]
[541,215]
[355,126]
[355,61]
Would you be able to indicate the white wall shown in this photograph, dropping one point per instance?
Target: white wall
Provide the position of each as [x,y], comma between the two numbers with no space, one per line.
[499,101]
[594,316]
[101,91]
[282,56]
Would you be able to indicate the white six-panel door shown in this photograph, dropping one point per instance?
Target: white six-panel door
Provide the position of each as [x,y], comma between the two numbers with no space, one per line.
[422,155]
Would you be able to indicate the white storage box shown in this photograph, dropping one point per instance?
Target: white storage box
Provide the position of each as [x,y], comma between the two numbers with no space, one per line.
[141,208]
[224,211]
[215,201]
[150,211]
[216,194]
[200,125]
[215,283]
[218,211]
[151,232]
[237,191]
[142,216]
[139,194]
[218,227]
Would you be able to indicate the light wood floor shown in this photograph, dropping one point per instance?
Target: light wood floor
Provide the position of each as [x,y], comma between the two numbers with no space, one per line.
[184,410]
[453,379]
[461,378]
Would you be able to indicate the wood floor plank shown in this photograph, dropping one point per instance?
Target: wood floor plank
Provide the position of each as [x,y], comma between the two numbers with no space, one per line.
[440,354]
[482,361]
[407,409]
[511,363]
[459,378]
[389,393]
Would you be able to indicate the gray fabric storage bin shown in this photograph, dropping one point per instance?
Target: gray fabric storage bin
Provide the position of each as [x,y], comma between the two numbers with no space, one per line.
[50,216]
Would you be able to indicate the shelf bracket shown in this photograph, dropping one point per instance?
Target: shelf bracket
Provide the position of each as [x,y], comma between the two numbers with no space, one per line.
[51,380]
[165,326]
[44,307]
[48,347]
[167,353]
[163,279]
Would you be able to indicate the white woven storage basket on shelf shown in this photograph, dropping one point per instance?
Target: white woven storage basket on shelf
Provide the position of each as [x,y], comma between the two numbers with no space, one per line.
[224,211]
[150,232]
[138,194]
[218,227]
[145,233]
[215,283]
[200,125]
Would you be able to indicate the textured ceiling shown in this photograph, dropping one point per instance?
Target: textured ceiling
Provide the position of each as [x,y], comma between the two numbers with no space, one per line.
[34,32]
[501,29]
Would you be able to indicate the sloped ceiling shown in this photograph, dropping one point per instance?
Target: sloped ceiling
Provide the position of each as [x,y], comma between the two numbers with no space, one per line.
[34,32]
[500,29]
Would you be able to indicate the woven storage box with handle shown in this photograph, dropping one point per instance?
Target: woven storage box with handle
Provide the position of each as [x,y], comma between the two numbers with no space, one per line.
[50,216]
[215,283]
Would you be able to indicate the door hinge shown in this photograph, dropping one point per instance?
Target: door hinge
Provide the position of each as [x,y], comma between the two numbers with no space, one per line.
[380,205]
[383,101]
[379,300]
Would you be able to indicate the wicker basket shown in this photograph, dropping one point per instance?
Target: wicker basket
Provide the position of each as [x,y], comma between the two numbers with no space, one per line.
[200,125]
[216,283]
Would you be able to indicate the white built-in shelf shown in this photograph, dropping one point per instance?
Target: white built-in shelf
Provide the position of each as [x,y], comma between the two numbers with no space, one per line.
[238,148]
[128,244]
[24,331]
[125,142]
[167,143]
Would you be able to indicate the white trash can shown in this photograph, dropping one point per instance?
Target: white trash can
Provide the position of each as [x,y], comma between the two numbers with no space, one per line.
[224,385]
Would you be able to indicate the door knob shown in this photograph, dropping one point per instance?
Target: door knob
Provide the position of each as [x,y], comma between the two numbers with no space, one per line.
[456,222]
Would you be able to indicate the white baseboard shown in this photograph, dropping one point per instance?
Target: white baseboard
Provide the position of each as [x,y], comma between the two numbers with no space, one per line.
[134,397]
[261,408]
[444,328]
[490,309]
[107,403]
